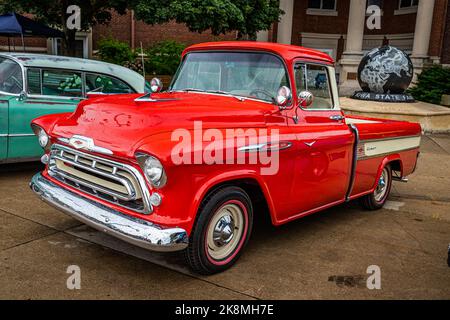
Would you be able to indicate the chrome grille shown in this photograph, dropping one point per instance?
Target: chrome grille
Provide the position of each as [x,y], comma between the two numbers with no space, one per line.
[109,180]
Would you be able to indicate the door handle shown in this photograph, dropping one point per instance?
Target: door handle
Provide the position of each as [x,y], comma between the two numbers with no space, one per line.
[337,118]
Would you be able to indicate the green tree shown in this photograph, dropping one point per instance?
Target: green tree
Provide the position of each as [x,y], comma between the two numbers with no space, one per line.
[53,13]
[247,17]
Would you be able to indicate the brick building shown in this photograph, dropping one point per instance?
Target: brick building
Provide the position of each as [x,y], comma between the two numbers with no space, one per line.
[338,27]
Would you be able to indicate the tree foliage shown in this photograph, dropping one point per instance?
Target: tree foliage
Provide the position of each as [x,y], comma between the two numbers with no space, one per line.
[247,17]
[164,57]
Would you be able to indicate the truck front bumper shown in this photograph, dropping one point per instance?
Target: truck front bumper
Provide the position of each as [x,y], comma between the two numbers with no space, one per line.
[98,216]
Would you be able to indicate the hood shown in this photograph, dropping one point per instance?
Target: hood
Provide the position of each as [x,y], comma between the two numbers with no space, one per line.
[120,123]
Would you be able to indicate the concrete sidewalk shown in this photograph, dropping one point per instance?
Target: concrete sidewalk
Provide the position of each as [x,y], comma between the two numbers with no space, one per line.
[302,260]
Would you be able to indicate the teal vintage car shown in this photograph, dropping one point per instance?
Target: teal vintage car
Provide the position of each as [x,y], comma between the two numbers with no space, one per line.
[32,85]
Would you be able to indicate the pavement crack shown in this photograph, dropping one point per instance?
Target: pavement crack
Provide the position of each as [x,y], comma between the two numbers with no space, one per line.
[37,222]
[29,241]
[409,233]
[437,144]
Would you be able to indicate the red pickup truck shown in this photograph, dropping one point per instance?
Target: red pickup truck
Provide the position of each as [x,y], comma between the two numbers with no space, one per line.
[246,129]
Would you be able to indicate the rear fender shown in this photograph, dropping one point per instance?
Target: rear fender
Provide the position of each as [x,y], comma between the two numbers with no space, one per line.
[386,160]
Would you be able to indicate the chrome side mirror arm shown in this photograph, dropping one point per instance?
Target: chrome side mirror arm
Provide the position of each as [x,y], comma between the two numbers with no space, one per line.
[22,96]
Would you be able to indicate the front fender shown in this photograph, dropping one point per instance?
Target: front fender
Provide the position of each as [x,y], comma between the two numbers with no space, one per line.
[231,176]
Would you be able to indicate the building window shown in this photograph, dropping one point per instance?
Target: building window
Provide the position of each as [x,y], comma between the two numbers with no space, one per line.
[322,4]
[378,3]
[406,7]
[322,7]
[408,3]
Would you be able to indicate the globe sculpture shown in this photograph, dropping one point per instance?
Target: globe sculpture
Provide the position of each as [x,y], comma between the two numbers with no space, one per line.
[384,74]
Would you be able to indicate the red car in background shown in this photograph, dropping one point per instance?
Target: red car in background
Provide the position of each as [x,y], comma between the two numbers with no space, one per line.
[243,131]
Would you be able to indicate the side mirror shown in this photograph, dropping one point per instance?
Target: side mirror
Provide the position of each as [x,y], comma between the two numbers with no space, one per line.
[305,99]
[22,96]
[156,85]
[284,97]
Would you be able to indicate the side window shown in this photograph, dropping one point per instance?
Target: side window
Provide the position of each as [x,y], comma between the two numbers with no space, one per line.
[11,80]
[105,84]
[62,83]
[34,81]
[314,78]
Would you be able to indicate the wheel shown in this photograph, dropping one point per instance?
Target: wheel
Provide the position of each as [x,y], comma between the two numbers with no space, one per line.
[222,229]
[377,199]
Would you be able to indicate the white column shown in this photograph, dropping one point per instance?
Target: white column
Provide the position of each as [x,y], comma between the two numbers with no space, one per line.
[284,34]
[353,50]
[262,36]
[422,35]
[422,32]
[355,29]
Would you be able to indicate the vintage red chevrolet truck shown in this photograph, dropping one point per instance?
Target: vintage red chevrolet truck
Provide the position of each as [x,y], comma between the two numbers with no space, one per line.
[246,129]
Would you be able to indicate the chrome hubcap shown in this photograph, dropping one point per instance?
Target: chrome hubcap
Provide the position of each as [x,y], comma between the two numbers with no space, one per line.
[225,231]
[381,189]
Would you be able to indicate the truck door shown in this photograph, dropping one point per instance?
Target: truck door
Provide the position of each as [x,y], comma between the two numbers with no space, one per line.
[49,91]
[324,142]
[3,128]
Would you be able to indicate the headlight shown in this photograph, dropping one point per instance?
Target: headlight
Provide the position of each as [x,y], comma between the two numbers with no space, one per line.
[153,170]
[43,138]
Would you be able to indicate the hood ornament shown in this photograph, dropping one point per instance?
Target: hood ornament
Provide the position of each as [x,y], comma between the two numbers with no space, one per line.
[85,143]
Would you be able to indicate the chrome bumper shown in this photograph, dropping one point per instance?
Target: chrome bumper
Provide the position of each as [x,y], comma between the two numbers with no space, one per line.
[98,216]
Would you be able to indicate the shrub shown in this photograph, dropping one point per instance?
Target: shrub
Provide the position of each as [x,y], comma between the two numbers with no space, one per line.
[432,83]
[115,51]
[135,65]
[164,57]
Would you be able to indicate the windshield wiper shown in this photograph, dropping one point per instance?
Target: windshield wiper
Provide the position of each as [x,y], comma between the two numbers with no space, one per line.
[189,89]
[211,91]
[226,94]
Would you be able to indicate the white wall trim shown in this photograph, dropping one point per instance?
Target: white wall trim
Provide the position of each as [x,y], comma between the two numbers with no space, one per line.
[321,12]
[408,10]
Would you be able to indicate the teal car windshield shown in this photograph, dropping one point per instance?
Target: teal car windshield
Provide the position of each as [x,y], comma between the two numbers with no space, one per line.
[244,74]
[11,78]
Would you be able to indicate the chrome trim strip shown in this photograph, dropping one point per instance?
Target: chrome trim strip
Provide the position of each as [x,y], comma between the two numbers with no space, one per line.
[259,147]
[252,147]
[354,162]
[387,153]
[132,230]
[20,135]
[391,138]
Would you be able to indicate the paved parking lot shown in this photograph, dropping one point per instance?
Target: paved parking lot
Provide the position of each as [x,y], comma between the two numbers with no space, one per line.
[324,256]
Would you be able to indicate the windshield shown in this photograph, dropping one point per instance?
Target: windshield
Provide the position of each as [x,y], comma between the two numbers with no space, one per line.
[11,80]
[253,75]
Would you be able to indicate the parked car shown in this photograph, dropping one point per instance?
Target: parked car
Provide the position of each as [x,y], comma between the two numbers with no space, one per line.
[32,85]
[160,171]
